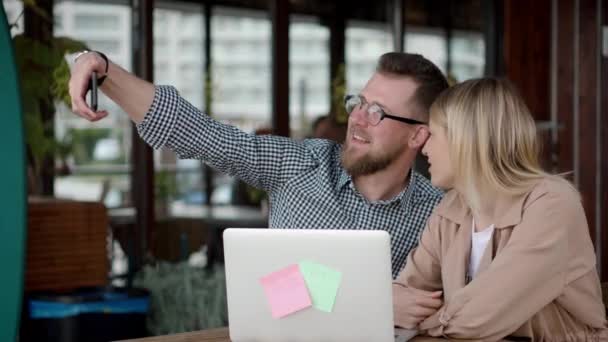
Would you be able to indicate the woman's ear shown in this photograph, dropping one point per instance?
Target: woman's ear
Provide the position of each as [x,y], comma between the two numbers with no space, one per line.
[419,137]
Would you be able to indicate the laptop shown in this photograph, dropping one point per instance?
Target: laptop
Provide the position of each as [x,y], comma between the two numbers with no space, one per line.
[355,302]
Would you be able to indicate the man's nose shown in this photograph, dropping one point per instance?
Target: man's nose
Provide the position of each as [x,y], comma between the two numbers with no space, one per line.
[359,115]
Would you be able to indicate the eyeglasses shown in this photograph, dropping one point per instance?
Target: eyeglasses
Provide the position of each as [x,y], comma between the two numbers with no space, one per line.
[375,113]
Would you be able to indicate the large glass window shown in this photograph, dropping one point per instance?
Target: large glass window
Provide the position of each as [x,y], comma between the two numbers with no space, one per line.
[468,55]
[241,86]
[428,42]
[308,74]
[241,57]
[179,61]
[100,152]
[365,43]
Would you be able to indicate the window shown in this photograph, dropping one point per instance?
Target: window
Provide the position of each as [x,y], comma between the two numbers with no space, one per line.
[92,21]
[180,63]
[108,46]
[365,43]
[428,42]
[308,74]
[192,48]
[58,22]
[100,155]
[241,60]
[468,55]
[241,78]
[467,50]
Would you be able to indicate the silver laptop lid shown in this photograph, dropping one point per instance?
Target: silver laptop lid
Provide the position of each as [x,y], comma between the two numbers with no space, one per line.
[362,310]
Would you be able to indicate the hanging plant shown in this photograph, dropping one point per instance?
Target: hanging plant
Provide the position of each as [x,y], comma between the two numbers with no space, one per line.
[44,76]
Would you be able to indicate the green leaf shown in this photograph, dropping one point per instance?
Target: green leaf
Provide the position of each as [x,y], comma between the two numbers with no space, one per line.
[34,52]
[61,72]
[44,77]
[60,85]
[40,145]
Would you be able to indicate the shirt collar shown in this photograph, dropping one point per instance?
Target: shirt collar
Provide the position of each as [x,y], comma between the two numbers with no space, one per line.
[343,179]
[454,208]
[405,196]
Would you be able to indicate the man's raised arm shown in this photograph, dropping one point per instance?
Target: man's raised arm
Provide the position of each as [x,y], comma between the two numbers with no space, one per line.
[165,119]
[132,94]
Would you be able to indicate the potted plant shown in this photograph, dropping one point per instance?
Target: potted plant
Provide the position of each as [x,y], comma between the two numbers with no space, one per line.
[44,75]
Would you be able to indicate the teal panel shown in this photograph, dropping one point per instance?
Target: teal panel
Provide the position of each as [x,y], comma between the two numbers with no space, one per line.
[12,189]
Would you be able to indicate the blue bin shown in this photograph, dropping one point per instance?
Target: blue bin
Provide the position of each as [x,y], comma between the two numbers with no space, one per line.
[92,315]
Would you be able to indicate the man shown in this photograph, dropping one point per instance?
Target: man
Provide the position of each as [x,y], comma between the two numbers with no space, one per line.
[368,183]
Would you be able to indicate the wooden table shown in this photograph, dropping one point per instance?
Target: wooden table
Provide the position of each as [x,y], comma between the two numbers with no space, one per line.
[212,335]
[221,335]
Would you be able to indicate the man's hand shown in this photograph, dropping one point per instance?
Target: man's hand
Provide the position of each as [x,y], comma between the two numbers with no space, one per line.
[81,73]
[412,306]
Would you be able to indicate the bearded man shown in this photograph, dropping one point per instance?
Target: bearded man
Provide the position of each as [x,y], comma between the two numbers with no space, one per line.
[366,183]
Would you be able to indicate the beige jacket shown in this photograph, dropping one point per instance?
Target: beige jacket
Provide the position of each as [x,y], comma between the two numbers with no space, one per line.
[537,278]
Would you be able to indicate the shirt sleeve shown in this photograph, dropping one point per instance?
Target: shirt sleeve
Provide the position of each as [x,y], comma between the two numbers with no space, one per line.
[528,274]
[423,267]
[265,161]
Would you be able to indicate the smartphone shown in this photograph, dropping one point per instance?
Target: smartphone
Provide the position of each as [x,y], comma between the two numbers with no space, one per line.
[94,91]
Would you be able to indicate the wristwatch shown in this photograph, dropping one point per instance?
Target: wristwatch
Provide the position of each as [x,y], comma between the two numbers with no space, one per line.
[102,78]
[80,54]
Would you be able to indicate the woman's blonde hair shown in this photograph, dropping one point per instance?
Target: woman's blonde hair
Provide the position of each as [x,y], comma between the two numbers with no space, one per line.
[492,138]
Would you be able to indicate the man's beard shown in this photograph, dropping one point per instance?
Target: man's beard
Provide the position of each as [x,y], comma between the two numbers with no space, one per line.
[367,164]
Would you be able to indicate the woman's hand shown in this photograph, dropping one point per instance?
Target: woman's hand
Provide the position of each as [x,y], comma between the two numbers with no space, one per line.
[412,306]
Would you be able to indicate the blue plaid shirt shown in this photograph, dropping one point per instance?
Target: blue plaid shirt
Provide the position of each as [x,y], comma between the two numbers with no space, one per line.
[307,186]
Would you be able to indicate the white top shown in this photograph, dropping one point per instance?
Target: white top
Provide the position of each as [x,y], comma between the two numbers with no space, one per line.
[479,242]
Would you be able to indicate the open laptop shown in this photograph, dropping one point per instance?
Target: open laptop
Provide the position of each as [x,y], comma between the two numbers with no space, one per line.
[362,307]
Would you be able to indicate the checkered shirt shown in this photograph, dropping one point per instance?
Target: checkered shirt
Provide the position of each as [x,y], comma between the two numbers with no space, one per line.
[307,186]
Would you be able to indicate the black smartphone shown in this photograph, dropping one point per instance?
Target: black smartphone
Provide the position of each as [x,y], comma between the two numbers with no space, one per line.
[94,91]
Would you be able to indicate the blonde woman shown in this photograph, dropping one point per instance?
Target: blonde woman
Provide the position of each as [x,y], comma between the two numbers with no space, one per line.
[507,252]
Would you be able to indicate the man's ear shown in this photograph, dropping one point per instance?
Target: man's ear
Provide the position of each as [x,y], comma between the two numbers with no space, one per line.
[419,137]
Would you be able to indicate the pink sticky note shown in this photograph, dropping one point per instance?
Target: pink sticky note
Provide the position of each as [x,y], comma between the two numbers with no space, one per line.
[286,291]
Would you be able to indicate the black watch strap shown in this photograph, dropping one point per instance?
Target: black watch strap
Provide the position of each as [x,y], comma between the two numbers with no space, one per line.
[102,78]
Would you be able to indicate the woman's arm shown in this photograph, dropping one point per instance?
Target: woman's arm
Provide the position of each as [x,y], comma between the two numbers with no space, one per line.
[416,292]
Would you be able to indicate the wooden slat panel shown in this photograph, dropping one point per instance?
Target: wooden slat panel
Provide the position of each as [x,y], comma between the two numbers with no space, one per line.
[565,81]
[588,73]
[66,245]
[527,47]
[527,52]
[604,152]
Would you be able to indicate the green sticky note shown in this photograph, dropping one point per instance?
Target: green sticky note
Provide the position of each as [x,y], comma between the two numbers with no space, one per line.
[322,282]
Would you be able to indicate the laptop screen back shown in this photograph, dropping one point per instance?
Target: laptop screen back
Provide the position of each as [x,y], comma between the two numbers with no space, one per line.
[347,274]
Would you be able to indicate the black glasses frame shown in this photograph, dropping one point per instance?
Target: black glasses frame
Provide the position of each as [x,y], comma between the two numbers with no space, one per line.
[383,113]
